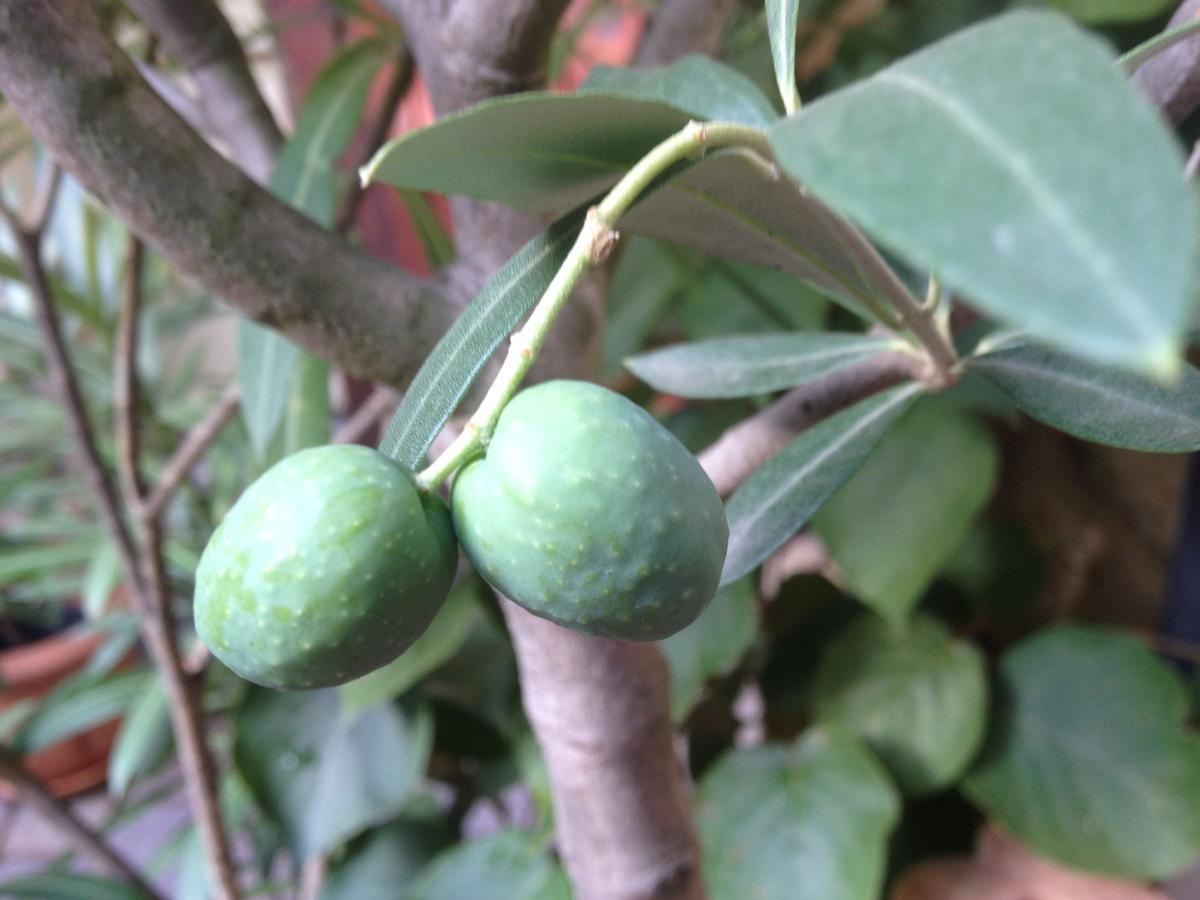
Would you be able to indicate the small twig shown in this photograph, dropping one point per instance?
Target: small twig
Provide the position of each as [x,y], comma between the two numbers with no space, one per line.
[43,201]
[157,620]
[1193,162]
[38,796]
[396,89]
[194,443]
[750,443]
[381,402]
[125,375]
[312,877]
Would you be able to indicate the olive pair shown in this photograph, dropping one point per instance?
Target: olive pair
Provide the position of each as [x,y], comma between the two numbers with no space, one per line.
[584,510]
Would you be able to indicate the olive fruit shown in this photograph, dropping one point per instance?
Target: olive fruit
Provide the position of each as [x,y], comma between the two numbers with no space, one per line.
[328,566]
[588,512]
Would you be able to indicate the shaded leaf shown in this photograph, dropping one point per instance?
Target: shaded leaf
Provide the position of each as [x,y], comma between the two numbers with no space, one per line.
[450,368]
[729,205]
[726,297]
[508,865]
[644,286]
[1089,761]
[436,644]
[744,366]
[142,741]
[807,821]
[385,861]
[781,29]
[1032,222]
[81,704]
[712,645]
[914,693]
[538,151]
[67,886]
[782,494]
[1096,402]
[1097,11]
[698,85]
[893,526]
[321,775]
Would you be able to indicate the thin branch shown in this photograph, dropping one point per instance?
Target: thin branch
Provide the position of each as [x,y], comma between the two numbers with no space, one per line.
[380,404]
[43,200]
[750,443]
[86,101]
[198,35]
[397,87]
[190,449]
[38,796]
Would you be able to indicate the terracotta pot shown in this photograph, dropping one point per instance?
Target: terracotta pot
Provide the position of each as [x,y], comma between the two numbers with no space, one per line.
[31,671]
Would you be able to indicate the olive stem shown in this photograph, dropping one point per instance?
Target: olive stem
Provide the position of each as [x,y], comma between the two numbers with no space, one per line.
[593,245]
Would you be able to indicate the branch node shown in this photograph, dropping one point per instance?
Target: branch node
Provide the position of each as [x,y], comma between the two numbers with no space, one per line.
[602,238]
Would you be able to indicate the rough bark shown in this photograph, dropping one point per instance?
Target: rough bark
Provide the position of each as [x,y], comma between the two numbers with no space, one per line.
[89,105]
[679,27]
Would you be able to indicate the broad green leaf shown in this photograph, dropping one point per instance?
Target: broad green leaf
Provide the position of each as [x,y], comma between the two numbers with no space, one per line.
[1096,402]
[781,29]
[892,527]
[914,693]
[321,775]
[538,151]
[436,644]
[52,885]
[729,205]
[712,645]
[385,861]
[80,704]
[1089,760]
[646,283]
[780,497]
[450,368]
[745,366]
[142,740]
[698,85]
[507,865]
[304,177]
[1095,12]
[1032,221]
[806,821]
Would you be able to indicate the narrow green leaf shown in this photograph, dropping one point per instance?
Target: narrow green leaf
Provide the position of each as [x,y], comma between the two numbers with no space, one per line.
[307,421]
[1131,60]
[103,576]
[698,85]
[322,776]
[450,368]
[775,502]
[1089,760]
[806,821]
[781,29]
[1096,12]
[1096,402]
[437,244]
[20,562]
[303,174]
[914,693]
[1033,222]
[438,643]
[304,177]
[730,205]
[67,886]
[893,526]
[142,741]
[723,297]
[712,645]
[745,366]
[538,151]
[79,705]
[507,865]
